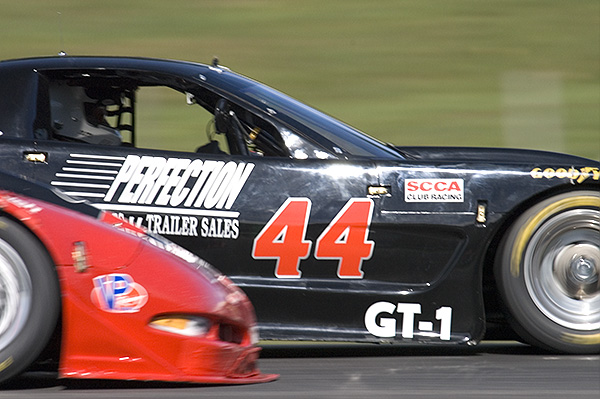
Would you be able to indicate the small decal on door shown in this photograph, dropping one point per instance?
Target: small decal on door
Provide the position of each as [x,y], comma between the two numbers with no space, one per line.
[434,190]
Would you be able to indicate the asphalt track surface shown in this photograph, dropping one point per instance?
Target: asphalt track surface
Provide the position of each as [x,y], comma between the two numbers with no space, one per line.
[490,370]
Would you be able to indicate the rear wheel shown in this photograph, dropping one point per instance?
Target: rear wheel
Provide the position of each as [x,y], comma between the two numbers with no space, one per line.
[29,298]
[548,270]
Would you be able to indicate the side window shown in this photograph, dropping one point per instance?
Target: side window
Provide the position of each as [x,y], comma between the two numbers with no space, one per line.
[167,119]
[155,117]
[137,111]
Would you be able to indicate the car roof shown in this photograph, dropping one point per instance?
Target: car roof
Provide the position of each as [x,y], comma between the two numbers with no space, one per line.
[209,74]
[67,61]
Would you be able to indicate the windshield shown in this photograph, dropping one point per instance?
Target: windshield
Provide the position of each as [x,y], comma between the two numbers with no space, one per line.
[341,139]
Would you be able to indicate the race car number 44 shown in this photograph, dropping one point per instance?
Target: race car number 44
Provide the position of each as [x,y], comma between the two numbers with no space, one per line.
[344,239]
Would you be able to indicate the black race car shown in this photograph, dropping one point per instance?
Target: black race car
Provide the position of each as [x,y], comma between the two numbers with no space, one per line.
[332,234]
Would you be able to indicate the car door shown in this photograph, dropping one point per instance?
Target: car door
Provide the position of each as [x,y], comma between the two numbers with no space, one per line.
[308,245]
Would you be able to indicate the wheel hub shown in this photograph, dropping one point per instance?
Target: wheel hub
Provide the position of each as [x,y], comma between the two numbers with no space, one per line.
[583,269]
[576,270]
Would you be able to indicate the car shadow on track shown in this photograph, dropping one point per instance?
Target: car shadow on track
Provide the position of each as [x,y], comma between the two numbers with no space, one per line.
[45,379]
[314,349]
[276,350]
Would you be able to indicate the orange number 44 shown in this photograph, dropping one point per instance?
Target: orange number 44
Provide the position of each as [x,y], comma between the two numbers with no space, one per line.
[345,238]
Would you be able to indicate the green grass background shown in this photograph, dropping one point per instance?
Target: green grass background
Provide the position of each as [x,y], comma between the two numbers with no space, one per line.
[521,73]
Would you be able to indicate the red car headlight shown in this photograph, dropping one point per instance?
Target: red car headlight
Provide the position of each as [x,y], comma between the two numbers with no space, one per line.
[189,326]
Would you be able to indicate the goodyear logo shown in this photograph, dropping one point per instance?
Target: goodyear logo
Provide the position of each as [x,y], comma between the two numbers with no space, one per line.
[575,175]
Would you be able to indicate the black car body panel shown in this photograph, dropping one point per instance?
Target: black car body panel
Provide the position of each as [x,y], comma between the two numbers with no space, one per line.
[388,243]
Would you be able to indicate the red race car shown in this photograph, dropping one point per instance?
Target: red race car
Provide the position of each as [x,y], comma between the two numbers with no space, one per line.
[107,300]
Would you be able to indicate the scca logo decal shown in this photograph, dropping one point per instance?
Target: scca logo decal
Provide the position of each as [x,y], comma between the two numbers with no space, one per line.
[434,190]
[118,293]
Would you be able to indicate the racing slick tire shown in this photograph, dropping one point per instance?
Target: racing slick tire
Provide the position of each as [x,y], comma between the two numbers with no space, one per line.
[29,298]
[547,270]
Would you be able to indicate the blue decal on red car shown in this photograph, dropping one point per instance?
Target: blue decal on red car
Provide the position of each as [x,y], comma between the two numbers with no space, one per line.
[118,293]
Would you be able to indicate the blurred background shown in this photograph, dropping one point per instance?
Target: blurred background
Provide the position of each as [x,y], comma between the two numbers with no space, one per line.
[501,73]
